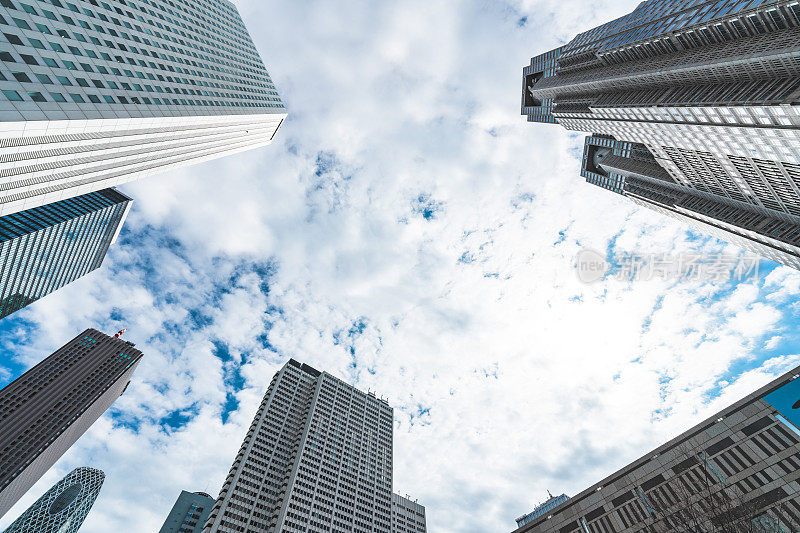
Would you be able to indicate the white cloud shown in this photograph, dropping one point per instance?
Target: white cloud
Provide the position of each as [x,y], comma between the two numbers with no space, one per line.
[532,380]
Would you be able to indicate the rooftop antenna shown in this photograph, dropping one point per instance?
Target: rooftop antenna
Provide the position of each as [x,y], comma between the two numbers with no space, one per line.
[120,333]
[550,495]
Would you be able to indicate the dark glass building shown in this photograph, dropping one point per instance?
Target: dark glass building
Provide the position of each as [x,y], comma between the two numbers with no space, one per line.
[694,107]
[48,408]
[64,507]
[738,472]
[44,248]
[189,514]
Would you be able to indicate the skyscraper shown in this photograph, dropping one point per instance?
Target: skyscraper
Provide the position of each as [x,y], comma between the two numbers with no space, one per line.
[408,516]
[64,507]
[44,248]
[189,514]
[95,94]
[317,457]
[44,411]
[736,471]
[693,105]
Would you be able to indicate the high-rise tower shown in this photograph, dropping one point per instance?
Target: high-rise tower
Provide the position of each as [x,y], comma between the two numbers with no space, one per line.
[96,93]
[44,411]
[44,248]
[694,106]
[189,514]
[64,507]
[317,457]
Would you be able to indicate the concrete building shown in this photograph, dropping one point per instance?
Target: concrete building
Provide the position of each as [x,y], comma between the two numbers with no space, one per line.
[189,514]
[64,507]
[741,468]
[48,408]
[693,104]
[96,94]
[317,458]
[44,248]
[408,516]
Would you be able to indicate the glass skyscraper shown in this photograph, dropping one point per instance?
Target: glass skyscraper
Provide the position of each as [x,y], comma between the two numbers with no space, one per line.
[96,93]
[44,248]
[47,409]
[64,507]
[694,109]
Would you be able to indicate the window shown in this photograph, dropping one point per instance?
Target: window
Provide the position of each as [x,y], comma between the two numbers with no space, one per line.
[13,39]
[64,80]
[82,82]
[50,62]
[13,96]
[29,59]
[8,58]
[58,97]
[44,29]
[94,99]
[21,77]
[21,23]
[77,98]
[36,43]
[37,97]
[56,47]
[108,99]
[45,79]
[70,65]
[28,9]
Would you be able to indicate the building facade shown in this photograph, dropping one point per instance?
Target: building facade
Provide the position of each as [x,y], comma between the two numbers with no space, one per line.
[44,248]
[542,509]
[189,514]
[317,457]
[64,507]
[48,408]
[96,93]
[408,516]
[696,101]
[739,469]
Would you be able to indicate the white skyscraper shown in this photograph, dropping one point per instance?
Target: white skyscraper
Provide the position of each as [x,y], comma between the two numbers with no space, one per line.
[317,458]
[96,93]
[408,516]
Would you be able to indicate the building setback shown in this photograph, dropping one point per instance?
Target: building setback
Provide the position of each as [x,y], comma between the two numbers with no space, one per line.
[408,516]
[542,509]
[693,106]
[189,514]
[94,94]
[44,248]
[64,507]
[317,457]
[44,411]
[741,464]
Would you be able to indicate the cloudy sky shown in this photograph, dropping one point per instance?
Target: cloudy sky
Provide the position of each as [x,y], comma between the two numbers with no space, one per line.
[411,233]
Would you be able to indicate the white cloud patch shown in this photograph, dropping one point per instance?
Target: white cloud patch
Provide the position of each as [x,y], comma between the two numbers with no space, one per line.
[410,233]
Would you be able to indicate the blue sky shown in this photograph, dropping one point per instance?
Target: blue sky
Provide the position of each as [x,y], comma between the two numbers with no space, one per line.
[410,233]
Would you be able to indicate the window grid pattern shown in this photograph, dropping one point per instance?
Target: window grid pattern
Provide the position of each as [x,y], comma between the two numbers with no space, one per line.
[44,411]
[317,457]
[74,496]
[45,248]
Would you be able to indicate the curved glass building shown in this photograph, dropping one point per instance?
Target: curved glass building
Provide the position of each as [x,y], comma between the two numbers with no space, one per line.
[64,507]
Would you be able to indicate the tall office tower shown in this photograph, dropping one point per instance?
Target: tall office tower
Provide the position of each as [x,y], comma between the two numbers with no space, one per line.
[317,457]
[408,516]
[737,471]
[64,507]
[44,248]
[44,411]
[96,93]
[542,509]
[694,108]
[189,514]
